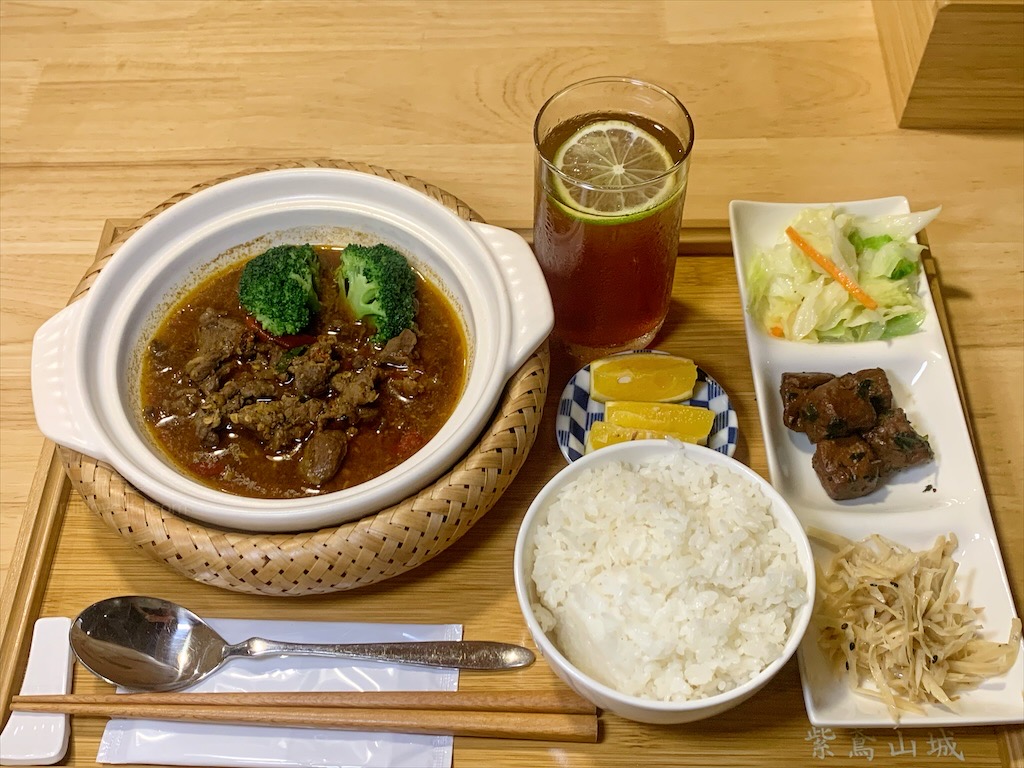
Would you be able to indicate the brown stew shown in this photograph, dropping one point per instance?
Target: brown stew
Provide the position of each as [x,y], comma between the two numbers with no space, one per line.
[251,416]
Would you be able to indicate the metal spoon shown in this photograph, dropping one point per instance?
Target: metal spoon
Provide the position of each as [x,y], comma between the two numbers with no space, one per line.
[149,644]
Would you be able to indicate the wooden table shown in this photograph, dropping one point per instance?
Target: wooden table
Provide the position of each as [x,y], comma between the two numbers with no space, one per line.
[107,109]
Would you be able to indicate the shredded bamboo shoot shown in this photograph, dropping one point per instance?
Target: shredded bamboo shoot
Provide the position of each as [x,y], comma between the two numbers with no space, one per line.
[893,617]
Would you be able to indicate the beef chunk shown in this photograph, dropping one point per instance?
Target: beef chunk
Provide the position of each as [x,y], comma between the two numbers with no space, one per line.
[279,422]
[353,392]
[873,385]
[896,443]
[794,390]
[313,369]
[207,419]
[242,391]
[182,401]
[232,397]
[322,456]
[846,467]
[407,387]
[220,339]
[836,409]
[398,350]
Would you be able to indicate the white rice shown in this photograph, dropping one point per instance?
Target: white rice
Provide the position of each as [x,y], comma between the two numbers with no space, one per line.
[669,581]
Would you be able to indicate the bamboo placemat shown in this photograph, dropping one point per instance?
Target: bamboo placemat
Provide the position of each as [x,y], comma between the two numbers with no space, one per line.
[66,559]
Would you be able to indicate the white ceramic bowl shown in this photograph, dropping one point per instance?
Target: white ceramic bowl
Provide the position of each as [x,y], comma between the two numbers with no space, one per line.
[85,358]
[633,707]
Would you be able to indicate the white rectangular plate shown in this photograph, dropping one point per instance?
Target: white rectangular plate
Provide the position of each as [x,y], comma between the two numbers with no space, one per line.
[913,508]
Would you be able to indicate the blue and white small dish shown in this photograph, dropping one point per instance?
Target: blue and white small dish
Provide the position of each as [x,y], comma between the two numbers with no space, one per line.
[577,411]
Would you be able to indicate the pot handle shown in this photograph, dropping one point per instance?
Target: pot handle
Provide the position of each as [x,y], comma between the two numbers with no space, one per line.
[60,405]
[532,314]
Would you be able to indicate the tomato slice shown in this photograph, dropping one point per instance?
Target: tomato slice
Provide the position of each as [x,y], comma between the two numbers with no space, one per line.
[208,466]
[289,341]
[409,442]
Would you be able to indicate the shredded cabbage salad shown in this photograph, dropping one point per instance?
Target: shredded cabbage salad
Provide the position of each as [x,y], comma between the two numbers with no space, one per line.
[863,287]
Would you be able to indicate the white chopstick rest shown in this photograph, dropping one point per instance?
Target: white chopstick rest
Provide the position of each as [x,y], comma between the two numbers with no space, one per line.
[32,738]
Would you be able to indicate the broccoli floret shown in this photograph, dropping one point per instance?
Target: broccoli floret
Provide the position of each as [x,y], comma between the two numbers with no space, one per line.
[379,283]
[278,288]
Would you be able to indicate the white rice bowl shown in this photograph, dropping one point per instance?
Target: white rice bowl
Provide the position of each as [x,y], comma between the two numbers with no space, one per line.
[671,579]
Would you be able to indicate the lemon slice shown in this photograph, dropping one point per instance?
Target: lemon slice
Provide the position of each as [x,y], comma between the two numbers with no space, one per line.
[644,377]
[623,160]
[684,422]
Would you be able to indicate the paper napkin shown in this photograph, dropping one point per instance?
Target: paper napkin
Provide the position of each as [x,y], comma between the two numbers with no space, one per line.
[172,743]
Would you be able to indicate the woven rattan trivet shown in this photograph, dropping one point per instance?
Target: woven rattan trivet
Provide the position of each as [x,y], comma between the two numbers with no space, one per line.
[352,555]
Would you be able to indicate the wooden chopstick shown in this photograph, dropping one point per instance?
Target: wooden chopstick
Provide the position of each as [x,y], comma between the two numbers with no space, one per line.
[552,702]
[540,726]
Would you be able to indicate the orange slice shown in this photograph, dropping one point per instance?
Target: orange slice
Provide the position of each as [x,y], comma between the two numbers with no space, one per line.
[643,377]
[604,433]
[684,422]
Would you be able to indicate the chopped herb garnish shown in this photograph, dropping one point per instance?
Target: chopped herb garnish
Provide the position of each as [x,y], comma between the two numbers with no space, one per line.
[907,441]
[286,358]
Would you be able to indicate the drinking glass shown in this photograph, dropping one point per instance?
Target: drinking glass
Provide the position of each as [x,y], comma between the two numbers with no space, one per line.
[611,170]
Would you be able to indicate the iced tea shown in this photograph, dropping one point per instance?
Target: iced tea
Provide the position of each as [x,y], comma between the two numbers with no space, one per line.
[607,241]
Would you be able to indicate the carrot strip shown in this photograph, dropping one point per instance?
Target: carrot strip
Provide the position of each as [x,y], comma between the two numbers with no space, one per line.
[832,268]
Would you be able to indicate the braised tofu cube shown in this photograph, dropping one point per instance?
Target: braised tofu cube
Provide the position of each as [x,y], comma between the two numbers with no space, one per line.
[836,409]
[873,385]
[846,467]
[794,390]
[896,443]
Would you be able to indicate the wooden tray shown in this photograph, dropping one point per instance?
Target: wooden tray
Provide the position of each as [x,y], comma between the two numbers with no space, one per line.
[67,558]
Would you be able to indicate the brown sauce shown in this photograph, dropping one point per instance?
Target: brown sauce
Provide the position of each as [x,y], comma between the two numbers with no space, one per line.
[196,408]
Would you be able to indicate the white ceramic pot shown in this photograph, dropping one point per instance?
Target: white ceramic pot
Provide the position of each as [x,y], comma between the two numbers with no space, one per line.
[85,360]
